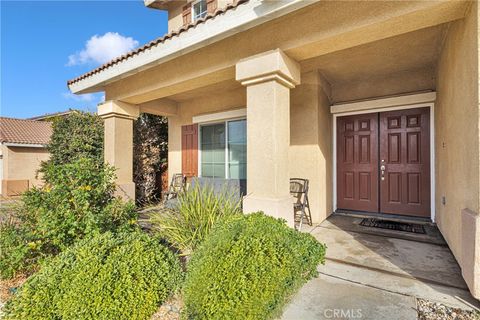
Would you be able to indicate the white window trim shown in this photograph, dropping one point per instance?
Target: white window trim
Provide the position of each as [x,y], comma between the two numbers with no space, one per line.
[218,116]
[194,18]
[382,105]
[371,105]
[213,122]
[25,145]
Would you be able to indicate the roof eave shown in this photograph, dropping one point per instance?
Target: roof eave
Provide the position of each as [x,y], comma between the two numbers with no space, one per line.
[246,16]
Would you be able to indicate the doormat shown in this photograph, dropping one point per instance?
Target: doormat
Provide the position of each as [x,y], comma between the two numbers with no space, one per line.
[393,225]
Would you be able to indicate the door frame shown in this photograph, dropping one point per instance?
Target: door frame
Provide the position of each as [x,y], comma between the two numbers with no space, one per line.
[381,105]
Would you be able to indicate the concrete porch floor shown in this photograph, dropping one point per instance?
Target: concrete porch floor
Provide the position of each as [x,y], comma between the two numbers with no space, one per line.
[373,273]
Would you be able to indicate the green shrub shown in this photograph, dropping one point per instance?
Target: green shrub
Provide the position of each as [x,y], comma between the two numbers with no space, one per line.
[76,201]
[248,267]
[123,276]
[14,250]
[197,211]
[75,136]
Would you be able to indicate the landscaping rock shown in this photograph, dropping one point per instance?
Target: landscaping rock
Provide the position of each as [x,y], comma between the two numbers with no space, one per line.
[170,310]
[436,311]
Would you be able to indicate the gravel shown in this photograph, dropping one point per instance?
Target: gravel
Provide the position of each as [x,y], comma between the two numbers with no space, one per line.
[170,310]
[428,310]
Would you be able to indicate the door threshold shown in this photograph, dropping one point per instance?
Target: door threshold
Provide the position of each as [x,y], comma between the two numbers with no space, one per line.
[384,216]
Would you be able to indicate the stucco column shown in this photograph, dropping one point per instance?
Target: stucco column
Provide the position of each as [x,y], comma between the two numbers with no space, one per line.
[268,77]
[118,122]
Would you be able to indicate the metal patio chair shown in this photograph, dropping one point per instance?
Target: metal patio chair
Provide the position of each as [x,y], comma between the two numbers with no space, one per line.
[177,185]
[299,191]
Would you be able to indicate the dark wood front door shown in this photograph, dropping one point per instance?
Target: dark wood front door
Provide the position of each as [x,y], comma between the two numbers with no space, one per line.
[357,162]
[383,162]
[405,158]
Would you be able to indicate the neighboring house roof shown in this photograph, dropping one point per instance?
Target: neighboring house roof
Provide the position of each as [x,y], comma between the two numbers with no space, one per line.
[49,116]
[20,131]
[158,41]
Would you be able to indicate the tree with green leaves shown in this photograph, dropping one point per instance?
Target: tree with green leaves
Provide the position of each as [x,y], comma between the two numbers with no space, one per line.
[75,136]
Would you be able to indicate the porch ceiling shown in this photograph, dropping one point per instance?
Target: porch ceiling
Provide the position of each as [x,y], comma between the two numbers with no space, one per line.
[410,51]
[416,50]
[373,37]
[210,90]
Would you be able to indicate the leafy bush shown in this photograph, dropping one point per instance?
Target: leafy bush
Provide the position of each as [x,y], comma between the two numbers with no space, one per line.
[81,135]
[196,212]
[76,202]
[123,276]
[248,267]
[75,136]
[14,251]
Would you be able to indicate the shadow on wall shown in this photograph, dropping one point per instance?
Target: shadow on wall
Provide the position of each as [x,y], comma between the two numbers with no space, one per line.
[311,142]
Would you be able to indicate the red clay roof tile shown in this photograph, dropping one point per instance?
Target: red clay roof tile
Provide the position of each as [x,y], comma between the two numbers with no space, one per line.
[157,41]
[24,131]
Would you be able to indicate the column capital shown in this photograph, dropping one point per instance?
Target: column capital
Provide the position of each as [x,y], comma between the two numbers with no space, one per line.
[118,109]
[267,66]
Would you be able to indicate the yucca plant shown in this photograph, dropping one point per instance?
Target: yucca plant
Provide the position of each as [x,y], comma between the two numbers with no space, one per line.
[192,218]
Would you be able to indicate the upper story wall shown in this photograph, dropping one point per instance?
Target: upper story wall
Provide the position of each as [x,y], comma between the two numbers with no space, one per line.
[180,11]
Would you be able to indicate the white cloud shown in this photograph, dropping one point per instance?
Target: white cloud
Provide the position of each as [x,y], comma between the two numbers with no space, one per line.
[88,97]
[101,49]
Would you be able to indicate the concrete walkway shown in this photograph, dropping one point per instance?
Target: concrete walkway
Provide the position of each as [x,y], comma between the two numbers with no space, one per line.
[373,273]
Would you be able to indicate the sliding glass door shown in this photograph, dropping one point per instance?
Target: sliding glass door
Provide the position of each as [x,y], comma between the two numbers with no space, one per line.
[223,150]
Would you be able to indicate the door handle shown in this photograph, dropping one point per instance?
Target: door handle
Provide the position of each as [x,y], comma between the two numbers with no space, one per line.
[382,170]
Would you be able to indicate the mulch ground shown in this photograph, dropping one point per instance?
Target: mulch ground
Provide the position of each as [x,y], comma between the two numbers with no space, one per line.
[6,287]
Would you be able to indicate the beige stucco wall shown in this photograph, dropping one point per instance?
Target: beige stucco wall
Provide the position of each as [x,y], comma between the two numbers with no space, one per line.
[311,142]
[21,163]
[227,100]
[457,142]
[388,84]
[175,19]
[310,153]
[215,62]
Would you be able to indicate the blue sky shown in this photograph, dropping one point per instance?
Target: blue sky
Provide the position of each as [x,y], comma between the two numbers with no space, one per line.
[46,43]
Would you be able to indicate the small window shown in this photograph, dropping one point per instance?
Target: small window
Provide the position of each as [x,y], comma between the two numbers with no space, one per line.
[199,9]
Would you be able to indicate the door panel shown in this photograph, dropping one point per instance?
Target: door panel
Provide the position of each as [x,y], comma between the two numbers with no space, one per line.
[357,162]
[405,153]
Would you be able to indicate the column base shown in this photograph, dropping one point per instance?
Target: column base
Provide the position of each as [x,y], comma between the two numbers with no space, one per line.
[126,191]
[275,207]
[470,263]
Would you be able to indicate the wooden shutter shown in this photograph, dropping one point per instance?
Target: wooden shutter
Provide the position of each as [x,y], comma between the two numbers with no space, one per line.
[187,14]
[190,150]
[211,6]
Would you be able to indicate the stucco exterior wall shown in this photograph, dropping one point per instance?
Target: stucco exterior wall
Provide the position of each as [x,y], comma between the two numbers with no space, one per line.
[457,142]
[175,19]
[227,100]
[388,84]
[20,163]
[310,154]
